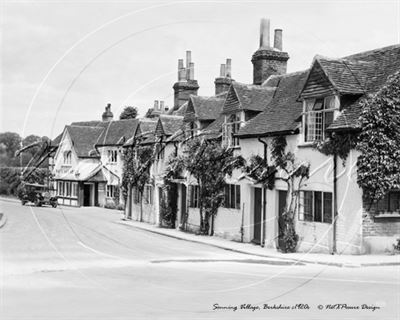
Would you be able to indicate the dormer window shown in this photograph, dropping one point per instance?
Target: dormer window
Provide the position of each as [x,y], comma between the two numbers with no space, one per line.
[318,115]
[112,156]
[232,127]
[67,157]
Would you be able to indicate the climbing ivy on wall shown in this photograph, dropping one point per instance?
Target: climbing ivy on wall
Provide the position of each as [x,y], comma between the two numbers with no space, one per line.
[379,141]
[338,143]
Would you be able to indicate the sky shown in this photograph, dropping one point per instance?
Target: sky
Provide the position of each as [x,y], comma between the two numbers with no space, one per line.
[63,61]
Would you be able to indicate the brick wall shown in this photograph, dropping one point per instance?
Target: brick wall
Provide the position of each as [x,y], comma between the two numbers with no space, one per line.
[378,226]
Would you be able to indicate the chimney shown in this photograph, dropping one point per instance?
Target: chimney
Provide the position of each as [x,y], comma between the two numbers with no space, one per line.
[162,106]
[107,114]
[222,71]
[223,82]
[155,108]
[191,71]
[264,33]
[186,84]
[228,70]
[181,71]
[278,39]
[268,61]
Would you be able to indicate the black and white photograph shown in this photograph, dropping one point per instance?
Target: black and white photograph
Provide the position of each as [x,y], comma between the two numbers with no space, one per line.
[199,159]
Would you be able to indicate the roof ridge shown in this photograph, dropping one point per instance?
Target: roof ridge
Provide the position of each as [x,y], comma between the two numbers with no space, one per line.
[370,52]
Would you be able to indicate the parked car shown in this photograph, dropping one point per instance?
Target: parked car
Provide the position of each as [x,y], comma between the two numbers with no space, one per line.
[38,194]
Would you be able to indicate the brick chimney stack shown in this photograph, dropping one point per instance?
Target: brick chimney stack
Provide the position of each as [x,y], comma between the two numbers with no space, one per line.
[186,84]
[107,114]
[223,82]
[268,61]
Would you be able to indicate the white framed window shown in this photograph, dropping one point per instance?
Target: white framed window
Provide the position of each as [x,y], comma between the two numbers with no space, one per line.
[231,127]
[111,191]
[67,157]
[194,193]
[232,196]
[318,115]
[316,206]
[74,190]
[112,156]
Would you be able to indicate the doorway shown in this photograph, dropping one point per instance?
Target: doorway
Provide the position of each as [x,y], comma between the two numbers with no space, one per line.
[87,196]
[281,208]
[257,216]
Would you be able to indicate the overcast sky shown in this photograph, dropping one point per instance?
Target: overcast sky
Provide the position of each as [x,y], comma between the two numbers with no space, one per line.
[63,61]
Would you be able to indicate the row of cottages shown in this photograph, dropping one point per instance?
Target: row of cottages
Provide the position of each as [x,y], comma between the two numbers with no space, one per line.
[87,166]
[304,107]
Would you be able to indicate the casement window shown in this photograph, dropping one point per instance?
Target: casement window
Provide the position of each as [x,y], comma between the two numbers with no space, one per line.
[316,206]
[317,117]
[231,127]
[232,196]
[67,157]
[111,191]
[390,202]
[194,193]
[112,156]
[67,189]
[148,194]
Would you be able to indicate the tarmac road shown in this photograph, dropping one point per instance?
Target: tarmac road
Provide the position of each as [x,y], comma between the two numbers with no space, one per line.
[78,263]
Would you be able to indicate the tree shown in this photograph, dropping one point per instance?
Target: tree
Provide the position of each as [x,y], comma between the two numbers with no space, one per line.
[128,113]
[293,173]
[209,163]
[136,170]
[379,141]
[12,142]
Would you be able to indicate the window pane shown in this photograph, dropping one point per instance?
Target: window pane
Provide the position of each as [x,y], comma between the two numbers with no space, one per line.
[328,207]
[328,119]
[232,199]
[226,202]
[308,205]
[394,201]
[318,206]
[238,197]
[330,102]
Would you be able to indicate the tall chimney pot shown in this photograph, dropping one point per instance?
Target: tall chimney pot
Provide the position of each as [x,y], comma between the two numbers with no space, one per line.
[264,33]
[278,39]
[191,71]
[155,105]
[162,106]
[222,71]
[228,70]
[188,58]
[181,71]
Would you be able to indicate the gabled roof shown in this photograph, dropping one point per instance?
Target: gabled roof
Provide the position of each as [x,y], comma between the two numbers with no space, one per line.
[116,133]
[145,127]
[84,139]
[247,97]
[204,108]
[283,112]
[375,67]
[168,124]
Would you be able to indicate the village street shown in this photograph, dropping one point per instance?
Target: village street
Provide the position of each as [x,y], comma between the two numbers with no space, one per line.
[79,263]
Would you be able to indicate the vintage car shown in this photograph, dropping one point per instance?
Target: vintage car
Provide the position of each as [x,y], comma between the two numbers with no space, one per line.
[38,194]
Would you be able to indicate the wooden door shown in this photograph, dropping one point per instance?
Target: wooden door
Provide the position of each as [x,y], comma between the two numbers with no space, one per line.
[257,216]
[86,195]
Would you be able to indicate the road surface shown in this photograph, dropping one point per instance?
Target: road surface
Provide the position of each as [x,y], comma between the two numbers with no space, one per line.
[78,263]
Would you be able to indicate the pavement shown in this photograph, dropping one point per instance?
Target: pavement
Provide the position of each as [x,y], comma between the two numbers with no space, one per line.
[351,261]
[82,263]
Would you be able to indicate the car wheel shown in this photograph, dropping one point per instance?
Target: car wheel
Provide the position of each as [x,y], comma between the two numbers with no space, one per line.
[23,202]
[54,204]
[37,203]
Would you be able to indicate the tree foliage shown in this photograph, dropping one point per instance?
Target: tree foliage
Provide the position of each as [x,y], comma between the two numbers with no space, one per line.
[338,143]
[379,142]
[10,178]
[128,113]
[209,163]
[293,173]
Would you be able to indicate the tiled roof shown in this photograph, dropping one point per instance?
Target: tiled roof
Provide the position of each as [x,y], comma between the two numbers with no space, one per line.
[249,97]
[374,68]
[283,112]
[117,132]
[171,124]
[205,108]
[146,126]
[214,130]
[180,112]
[84,139]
